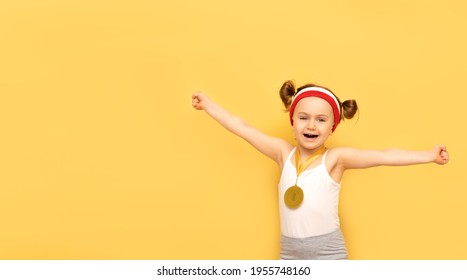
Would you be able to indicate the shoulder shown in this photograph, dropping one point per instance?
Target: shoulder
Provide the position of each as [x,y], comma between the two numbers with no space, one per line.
[339,155]
[334,154]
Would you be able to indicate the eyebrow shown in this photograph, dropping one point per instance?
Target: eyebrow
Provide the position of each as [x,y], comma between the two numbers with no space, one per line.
[318,115]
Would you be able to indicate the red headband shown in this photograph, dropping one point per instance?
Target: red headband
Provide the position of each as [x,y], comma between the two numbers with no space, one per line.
[321,93]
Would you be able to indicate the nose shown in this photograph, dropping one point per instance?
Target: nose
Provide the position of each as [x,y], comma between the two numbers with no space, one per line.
[311,125]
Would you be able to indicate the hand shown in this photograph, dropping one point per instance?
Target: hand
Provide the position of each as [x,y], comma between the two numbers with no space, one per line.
[199,100]
[441,154]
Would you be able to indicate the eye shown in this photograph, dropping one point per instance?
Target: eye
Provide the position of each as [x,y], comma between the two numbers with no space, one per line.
[321,120]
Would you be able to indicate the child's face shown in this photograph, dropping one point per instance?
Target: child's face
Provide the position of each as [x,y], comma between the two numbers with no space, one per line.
[313,120]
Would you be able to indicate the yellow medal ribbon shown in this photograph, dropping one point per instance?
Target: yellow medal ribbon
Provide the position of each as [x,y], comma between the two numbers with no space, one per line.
[293,197]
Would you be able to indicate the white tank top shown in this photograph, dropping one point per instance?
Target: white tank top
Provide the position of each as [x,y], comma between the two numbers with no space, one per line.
[318,213]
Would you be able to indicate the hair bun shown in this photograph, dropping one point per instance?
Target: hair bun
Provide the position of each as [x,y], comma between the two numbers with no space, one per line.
[287,93]
[349,108]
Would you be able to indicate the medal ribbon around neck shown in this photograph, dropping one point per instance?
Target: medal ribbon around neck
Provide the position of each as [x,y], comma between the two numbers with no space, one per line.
[293,197]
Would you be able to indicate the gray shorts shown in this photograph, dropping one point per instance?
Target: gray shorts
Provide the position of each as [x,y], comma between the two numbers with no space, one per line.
[330,246]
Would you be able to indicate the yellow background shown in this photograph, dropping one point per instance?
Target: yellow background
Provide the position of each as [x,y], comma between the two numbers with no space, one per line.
[102,156]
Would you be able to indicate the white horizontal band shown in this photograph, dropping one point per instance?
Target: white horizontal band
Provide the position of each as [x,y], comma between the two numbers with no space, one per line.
[325,91]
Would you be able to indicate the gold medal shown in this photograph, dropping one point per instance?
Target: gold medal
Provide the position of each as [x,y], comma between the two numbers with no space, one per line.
[293,197]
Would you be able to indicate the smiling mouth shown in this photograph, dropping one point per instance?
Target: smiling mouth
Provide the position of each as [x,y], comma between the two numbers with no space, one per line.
[310,136]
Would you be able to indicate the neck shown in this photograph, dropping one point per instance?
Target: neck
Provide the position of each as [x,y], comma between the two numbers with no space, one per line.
[307,153]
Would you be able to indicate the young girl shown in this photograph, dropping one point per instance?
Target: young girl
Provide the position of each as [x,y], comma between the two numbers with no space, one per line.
[311,173]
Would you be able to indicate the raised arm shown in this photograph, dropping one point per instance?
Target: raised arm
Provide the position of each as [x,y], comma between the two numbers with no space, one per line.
[349,158]
[274,148]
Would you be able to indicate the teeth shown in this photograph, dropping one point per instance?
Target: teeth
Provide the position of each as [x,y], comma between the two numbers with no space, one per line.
[310,135]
